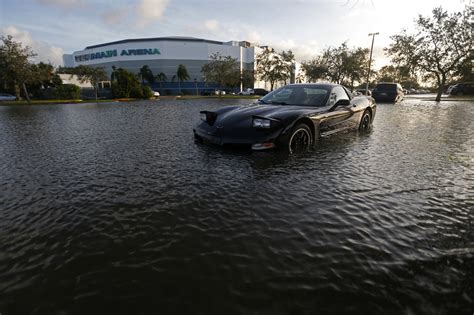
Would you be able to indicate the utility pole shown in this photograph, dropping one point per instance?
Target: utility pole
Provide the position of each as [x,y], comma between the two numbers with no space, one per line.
[370,62]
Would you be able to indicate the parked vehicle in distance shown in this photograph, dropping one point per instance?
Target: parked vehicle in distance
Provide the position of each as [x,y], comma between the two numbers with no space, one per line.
[7,97]
[388,92]
[208,92]
[260,92]
[156,93]
[248,91]
[290,118]
[465,88]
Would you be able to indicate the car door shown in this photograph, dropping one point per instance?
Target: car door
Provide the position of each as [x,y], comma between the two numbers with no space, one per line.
[469,88]
[340,115]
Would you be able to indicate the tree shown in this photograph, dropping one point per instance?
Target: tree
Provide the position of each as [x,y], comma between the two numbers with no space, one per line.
[269,66]
[247,78]
[438,49]
[161,77]
[146,75]
[125,84]
[391,73]
[92,74]
[43,76]
[15,68]
[356,65]
[314,69]
[341,65]
[288,65]
[222,70]
[182,75]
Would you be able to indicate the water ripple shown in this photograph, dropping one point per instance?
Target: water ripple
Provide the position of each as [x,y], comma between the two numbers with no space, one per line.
[113,208]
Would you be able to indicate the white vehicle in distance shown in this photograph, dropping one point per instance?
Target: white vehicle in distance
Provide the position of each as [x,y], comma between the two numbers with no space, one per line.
[248,91]
[7,97]
[156,93]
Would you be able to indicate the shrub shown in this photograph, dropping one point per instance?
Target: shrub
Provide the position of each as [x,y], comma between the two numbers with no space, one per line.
[147,92]
[67,92]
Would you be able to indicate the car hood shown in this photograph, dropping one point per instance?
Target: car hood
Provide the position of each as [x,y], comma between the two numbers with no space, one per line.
[270,111]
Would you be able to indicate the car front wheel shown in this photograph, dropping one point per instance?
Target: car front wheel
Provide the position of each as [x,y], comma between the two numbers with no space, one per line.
[299,139]
[365,121]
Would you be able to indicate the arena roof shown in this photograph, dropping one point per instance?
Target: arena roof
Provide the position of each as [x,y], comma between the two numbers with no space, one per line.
[173,38]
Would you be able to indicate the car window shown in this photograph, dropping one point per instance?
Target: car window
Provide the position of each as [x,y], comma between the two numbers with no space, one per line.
[385,87]
[338,93]
[298,95]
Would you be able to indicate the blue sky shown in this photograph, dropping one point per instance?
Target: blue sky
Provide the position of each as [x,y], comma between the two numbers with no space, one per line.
[54,27]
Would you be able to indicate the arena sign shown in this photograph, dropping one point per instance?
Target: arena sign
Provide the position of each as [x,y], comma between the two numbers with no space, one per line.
[114,53]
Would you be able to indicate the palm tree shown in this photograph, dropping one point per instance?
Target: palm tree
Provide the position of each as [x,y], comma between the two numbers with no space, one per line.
[146,75]
[182,75]
[161,77]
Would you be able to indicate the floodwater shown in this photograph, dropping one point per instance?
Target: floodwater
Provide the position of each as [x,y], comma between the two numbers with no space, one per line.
[113,209]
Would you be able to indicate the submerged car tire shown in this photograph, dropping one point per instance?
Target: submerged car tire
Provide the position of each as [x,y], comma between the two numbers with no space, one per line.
[365,121]
[299,139]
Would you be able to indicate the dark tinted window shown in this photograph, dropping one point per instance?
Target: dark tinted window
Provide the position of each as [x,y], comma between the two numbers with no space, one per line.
[386,87]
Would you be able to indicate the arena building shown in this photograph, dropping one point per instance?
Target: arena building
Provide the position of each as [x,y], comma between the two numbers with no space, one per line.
[164,54]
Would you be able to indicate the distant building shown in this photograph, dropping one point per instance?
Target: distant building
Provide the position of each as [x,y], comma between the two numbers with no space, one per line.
[164,54]
[72,79]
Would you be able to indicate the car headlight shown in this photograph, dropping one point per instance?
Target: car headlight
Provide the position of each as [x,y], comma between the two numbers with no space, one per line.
[261,123]
[209,117]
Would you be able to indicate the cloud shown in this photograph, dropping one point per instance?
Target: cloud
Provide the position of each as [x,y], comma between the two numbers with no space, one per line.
[150,10]
[211,25]
[61,3]
[45,52]
[113,17]
[254,37]
[302,52]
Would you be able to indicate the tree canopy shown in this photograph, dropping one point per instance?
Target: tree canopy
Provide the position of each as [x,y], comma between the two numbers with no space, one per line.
[274,67]
[15,67]
[438,49]
[340,64]
[146,75]
[223,70]
[182,75]
[94,75]
[125,84]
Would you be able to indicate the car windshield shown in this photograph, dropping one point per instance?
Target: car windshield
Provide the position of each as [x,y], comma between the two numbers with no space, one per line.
[386,87]
[298,95]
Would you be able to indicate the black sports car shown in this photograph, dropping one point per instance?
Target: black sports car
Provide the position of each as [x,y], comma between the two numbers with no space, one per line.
[290,118]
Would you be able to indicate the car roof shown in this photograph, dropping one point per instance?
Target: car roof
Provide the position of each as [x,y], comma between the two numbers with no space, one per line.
[387,83]
[315,84]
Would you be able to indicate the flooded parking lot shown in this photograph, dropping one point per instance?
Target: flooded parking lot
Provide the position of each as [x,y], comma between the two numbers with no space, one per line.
[112,208]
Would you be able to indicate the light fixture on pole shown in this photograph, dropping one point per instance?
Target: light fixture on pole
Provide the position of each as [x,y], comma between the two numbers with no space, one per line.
[370,62]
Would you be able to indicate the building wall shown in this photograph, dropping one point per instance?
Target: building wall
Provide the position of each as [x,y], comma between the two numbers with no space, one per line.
[161,55]
[165,54]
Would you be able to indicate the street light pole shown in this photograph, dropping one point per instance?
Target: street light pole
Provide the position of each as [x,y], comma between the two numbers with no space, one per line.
[370,62]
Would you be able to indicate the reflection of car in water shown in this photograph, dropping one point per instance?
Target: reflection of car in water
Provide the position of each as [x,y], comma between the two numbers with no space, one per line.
[388,92]
[291,118]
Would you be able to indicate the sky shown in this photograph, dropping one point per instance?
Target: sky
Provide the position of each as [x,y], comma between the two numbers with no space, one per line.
[54,27]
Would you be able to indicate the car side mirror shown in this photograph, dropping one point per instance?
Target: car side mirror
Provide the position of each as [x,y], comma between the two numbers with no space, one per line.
[342,102]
